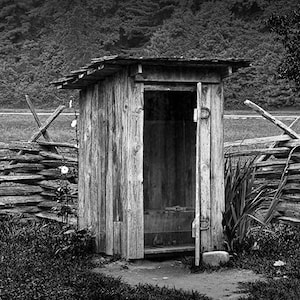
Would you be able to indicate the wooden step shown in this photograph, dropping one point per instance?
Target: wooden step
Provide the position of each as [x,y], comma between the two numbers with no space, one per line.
[169,249]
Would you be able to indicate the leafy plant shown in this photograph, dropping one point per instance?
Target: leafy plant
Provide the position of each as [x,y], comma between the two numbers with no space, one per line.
[64,197]
[242,200]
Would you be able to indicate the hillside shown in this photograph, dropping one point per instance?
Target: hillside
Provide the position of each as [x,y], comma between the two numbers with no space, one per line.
[42,40]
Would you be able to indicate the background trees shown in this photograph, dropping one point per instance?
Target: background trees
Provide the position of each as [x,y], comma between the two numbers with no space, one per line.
[287,28]
[42,40]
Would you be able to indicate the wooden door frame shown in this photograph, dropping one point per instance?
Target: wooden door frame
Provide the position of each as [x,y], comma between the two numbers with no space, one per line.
[210,196]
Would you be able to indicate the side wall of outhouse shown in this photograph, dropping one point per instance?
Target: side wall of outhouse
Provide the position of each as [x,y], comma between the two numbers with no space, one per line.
[111,164]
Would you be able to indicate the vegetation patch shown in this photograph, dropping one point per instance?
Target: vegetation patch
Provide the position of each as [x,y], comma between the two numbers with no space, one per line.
[264,246]
[274,289]
[46,260]
[274,252]
[42,40]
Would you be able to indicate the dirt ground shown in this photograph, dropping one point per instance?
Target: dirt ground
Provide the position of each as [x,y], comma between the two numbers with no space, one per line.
[223,284]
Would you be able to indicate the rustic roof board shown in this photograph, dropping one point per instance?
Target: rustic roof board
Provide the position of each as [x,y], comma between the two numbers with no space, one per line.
[101,67]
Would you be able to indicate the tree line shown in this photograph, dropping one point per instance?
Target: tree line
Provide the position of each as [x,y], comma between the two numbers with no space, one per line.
[41,40]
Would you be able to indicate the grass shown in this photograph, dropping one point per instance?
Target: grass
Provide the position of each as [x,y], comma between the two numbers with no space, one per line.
[49,261]
[278,242]
[284,289]
[237,129]
[21,127]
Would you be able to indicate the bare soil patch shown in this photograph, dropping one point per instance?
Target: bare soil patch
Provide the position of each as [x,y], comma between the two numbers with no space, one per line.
[222,284]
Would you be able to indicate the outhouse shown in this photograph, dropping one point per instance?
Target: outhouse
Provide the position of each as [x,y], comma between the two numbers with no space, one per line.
[151,153]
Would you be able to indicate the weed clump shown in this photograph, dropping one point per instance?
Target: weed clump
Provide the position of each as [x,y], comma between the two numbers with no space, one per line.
[263,246]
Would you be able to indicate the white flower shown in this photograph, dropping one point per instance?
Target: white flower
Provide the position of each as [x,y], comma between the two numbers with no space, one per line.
[64,169]
[74,123]
[278,263]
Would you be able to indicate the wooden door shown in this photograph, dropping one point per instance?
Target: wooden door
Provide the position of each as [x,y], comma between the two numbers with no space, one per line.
[210,201]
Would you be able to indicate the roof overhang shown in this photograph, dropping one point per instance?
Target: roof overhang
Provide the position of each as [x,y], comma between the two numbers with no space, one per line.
[102,67]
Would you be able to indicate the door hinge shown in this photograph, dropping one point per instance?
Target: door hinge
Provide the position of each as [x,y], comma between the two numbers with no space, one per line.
[204,225]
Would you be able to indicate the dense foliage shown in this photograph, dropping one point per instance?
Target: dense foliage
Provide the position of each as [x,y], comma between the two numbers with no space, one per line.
[288,28]
[42,40]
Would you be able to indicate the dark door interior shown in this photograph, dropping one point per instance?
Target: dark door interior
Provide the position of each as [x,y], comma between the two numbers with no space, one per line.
[169,168]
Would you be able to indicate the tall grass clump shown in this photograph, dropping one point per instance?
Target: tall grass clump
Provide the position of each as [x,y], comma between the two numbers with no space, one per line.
[243,199]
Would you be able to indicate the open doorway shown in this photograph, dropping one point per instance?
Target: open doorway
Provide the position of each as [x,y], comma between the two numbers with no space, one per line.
[169,170]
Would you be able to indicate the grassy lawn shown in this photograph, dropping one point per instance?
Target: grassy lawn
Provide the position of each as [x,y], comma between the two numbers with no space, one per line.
[237,129]
[21,127]
[48,261]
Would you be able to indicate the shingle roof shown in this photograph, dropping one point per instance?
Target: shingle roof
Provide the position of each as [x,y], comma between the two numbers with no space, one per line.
[99,68]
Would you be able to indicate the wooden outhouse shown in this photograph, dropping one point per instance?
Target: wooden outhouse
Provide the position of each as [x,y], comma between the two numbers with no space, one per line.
[151,153]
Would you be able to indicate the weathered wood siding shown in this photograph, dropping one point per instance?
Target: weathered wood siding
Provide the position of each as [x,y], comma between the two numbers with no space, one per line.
[113,163]
[204,152]
[110,165]
[135,203]
[181,75]
[217,166]
[210,196]
[83,197]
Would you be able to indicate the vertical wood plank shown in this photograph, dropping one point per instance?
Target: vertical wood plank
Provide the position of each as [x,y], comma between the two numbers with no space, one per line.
[81,169]
[196,223]
[124,165]
[102,124]
[135,208]
[88,157]
[205,162]
[109,171]
[117,162]
[117,238]
[85,159]
[95,199]
[217,166]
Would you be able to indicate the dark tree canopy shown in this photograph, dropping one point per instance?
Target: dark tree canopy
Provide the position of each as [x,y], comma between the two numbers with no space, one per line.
[41,40]
[288,29]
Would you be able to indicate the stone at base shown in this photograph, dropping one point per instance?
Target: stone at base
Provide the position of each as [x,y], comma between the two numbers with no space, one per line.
[215,258]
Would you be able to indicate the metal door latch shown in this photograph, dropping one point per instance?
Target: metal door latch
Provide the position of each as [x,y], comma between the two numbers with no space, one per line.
[205,113]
